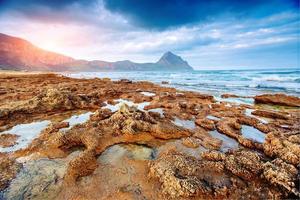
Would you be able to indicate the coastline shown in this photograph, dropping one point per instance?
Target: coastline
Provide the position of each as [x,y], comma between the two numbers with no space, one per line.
[193,145]
[214,82]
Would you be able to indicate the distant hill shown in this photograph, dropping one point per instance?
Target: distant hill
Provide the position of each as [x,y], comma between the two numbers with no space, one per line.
[19,54]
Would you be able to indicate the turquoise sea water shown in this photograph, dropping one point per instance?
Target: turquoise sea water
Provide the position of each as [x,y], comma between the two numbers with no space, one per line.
[215,82]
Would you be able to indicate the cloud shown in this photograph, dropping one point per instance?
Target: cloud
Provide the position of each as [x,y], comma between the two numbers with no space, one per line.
[149,14]
[223,33]
[27,5]
[157,14]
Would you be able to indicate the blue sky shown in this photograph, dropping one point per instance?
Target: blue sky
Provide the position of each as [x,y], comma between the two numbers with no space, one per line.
[215,34]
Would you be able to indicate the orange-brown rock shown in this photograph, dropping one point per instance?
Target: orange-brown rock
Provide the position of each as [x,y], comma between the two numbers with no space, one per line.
[184,177]
[283,145]
[271,114]
[8,140]
[232,128]
[278,99]
[242,173]
[244,164]
[8,170]
[205,123]
[205,139]
[48,101]
[191,142]
[229,127]
[233,96]
[283,175]
[128,125]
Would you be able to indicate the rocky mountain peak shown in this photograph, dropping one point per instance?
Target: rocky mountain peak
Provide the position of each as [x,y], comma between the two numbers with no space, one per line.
[173,61]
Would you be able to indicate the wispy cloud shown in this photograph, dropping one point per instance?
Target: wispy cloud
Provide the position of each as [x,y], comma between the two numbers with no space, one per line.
[103,30]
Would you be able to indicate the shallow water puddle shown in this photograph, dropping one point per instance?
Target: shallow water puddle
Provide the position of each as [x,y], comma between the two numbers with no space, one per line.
[158,110]
[115,153]
[248,113]
[116,107]
[249,101]
[284,126]
[77,119]
[27,133]
[212,117]
[188,124]
[253,134]
[227,142]
[148,94]
[195,152]
[39,179]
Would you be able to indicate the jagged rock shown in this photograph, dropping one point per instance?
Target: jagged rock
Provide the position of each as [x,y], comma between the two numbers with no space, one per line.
[82,165]
[244,164]
[8,140]
[213,156]
[101,114]
[191,142]
[47,101]
[173,171]
[235,174]
[206,123]
[278,99]
[282,174]
[8,170]
[127,125]
[125,81]
[229,127]
[283,146]
[271,114]
[230,96]
[39,179]
[185,177]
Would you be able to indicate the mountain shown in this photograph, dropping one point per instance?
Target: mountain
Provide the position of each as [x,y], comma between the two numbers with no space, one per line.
[173,61]
[19,54]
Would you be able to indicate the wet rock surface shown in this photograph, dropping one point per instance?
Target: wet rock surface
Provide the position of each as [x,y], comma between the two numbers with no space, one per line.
[8,140]
[283,145]
[183,177]
[9,169]
[144,142]
[278,99]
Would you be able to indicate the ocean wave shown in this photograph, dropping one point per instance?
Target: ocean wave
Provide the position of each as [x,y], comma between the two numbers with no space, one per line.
[175,75]
[235,85]
[275,78]
[253,85]
[193,84]
[215,82]
[271,87]
[281,72]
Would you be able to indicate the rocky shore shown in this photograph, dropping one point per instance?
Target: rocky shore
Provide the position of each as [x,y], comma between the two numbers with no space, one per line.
[65,138]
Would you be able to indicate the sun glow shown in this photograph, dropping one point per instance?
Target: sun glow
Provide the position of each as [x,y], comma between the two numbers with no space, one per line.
[48,45]
[57,38]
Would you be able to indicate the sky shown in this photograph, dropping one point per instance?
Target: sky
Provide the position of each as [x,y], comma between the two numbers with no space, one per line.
[212,34]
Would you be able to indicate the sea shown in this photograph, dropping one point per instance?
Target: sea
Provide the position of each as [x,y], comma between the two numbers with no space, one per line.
[214,82]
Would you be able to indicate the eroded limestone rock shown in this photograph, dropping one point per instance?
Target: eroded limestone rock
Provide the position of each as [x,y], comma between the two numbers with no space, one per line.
[8,140]
[283,145]
[278,99]
[8,170]
[282,174]
[182,176]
